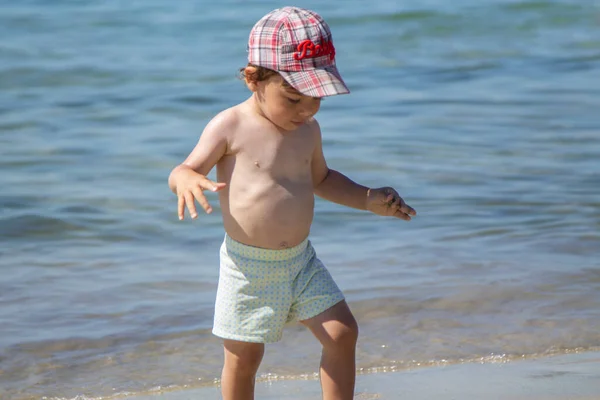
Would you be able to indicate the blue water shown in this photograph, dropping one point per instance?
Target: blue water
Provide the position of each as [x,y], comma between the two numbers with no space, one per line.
[484,114]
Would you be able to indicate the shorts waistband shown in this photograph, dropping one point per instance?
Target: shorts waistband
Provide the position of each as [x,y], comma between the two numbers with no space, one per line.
[259,253]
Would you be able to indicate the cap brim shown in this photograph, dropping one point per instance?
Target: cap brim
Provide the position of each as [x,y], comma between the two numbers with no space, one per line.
[321,82]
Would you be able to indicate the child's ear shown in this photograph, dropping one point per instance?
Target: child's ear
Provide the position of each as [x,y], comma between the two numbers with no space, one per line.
[250,78]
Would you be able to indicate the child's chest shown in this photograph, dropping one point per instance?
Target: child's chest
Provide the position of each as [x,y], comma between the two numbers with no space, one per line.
[287,155]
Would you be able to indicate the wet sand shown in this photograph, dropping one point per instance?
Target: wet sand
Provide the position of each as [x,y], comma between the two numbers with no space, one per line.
[564,377]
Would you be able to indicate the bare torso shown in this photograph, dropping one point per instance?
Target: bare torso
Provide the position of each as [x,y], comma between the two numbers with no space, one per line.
[269,200]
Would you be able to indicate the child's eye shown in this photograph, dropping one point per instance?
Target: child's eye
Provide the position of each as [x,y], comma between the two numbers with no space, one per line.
[294,101]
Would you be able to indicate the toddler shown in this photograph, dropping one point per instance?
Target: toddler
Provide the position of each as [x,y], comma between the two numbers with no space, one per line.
[270,164]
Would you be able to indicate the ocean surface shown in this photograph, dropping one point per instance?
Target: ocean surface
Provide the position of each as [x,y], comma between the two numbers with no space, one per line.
[483,113]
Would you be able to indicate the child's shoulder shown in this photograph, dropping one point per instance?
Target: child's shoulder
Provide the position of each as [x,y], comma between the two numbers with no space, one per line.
[225,123]
[227,118]
[314,127]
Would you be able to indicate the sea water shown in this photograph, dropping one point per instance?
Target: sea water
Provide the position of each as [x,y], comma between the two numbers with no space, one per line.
[482,113]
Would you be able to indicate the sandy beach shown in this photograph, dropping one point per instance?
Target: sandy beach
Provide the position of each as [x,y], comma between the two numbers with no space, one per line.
[564,377]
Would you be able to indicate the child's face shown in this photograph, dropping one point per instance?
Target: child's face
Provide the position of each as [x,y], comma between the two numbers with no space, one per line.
[283,105]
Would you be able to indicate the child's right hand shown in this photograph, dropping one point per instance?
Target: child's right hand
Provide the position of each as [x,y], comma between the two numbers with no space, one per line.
[190,186]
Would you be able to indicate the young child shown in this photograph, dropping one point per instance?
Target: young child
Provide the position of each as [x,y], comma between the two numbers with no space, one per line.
[270,164]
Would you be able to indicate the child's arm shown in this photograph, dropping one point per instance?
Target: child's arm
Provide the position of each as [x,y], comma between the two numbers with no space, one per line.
[336,187]
[188,180]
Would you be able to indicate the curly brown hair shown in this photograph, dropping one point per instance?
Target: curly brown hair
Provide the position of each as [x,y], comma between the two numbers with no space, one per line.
[259,74]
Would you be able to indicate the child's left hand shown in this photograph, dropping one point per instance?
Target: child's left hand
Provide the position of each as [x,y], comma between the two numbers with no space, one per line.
[387,202]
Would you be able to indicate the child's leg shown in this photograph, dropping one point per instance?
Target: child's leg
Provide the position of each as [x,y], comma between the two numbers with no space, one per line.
[239,371]
[337,331]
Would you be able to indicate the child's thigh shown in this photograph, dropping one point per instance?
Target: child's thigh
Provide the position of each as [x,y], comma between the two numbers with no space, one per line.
[314,291]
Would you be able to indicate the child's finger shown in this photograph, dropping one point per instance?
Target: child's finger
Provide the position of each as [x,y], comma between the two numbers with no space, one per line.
[390,199]
[408,209]
[402,215]
[207,184]
[189,202]
[202,199]
[180,206]
[218,186]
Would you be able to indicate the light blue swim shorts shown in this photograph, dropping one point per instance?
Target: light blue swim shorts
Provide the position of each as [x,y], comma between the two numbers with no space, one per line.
[262,289]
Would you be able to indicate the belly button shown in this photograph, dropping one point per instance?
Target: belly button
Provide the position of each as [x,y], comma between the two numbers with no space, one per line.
[257,164]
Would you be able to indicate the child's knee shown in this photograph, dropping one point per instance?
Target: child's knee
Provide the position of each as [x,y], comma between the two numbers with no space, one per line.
[243,358]
[344,336]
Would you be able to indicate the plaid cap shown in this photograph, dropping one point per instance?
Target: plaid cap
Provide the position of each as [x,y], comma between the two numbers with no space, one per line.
[297,43]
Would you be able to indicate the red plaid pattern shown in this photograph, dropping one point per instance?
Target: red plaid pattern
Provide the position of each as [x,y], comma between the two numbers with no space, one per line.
[297,43]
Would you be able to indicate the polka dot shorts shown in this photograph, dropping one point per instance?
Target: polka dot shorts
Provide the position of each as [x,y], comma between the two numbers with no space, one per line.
[262,289]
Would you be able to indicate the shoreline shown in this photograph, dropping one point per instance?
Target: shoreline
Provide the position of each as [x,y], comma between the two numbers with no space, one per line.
[574,376]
